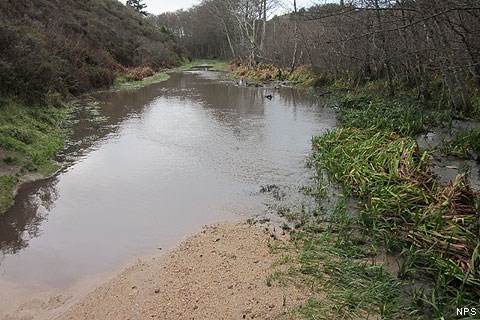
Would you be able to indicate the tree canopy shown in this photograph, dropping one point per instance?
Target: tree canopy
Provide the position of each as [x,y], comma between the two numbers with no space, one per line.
[138,6]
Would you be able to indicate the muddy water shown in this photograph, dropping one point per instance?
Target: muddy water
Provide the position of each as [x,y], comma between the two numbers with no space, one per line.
[447,168]
[147,167]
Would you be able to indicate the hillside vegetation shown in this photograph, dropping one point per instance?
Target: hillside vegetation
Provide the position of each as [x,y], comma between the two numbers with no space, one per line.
[74,46]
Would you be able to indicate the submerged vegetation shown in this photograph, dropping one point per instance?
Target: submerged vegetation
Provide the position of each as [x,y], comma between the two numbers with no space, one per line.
[434,227]
[463,143]
[7,184]
[333,261]
[428,231]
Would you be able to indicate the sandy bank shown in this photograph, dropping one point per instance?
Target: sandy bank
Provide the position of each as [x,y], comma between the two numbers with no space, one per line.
[219,273]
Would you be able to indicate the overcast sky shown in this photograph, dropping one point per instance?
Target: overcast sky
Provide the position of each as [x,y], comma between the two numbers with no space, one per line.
[159,6]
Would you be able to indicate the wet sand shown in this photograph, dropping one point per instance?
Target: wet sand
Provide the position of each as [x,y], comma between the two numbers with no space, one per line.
[219,273]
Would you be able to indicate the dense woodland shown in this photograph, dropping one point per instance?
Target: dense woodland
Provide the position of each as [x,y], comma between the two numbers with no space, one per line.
[72,46]
[431,48]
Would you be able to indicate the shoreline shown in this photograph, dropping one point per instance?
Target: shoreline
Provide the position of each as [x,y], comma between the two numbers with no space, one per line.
[52,167]
[227,262]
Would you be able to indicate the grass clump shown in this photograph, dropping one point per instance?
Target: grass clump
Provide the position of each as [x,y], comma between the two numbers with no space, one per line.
[404,207]
[126,81]
[32,136]
[354,288]
[363,112]
[463,142]
[7,185]
[332,262]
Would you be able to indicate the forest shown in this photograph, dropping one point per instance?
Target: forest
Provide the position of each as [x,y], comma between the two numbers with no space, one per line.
[430,49]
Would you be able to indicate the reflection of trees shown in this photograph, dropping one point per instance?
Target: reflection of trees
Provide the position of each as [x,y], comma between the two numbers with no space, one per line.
[231,104]
[112,108]
[35,201]
[22,221]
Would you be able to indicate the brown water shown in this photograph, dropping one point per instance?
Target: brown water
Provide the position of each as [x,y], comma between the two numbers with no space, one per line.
[448,167]
[155,165]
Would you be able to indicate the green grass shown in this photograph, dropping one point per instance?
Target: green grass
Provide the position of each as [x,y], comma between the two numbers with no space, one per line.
[404,208]
[405,116]
[335,265]
[354,289]
[7,185]
[35,132]
[462,143]
[34,135]
[130,85]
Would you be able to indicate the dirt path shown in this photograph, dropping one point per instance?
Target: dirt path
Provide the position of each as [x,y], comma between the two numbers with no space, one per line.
[220,273]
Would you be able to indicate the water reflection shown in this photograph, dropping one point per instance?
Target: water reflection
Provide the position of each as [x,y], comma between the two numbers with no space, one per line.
[156,164]
[22,222]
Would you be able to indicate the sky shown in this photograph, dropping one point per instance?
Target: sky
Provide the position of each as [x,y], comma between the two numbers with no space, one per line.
[159,6]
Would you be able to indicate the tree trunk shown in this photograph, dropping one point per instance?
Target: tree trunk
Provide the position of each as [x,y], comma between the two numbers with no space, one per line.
[293,65]
[264,20]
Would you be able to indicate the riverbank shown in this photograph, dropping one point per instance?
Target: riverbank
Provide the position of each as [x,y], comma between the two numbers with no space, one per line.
[219,273]
[240,270]
[31,136]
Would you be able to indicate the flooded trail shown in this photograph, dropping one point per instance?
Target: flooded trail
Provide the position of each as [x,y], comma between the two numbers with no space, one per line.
[155,165]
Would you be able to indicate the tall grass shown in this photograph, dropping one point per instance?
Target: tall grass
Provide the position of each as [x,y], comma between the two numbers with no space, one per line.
[405,207]
[403,116]
[463,142]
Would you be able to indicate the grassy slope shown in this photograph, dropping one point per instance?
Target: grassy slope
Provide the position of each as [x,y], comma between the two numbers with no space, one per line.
[30,137]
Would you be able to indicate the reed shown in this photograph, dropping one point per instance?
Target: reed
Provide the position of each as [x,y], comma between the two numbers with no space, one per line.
[404,206]
[463,143]
[405,116]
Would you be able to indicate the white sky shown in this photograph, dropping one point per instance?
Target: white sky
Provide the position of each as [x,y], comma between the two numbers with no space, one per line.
[159,6]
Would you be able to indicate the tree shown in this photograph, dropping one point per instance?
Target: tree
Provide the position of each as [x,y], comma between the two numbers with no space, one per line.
[138,6]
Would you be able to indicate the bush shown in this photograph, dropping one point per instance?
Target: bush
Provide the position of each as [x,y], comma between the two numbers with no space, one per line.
[73,46]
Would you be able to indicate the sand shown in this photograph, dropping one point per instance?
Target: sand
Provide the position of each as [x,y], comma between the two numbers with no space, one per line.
[219,273]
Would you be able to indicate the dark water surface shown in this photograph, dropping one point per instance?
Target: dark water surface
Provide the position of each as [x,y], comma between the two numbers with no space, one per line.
[157,164]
